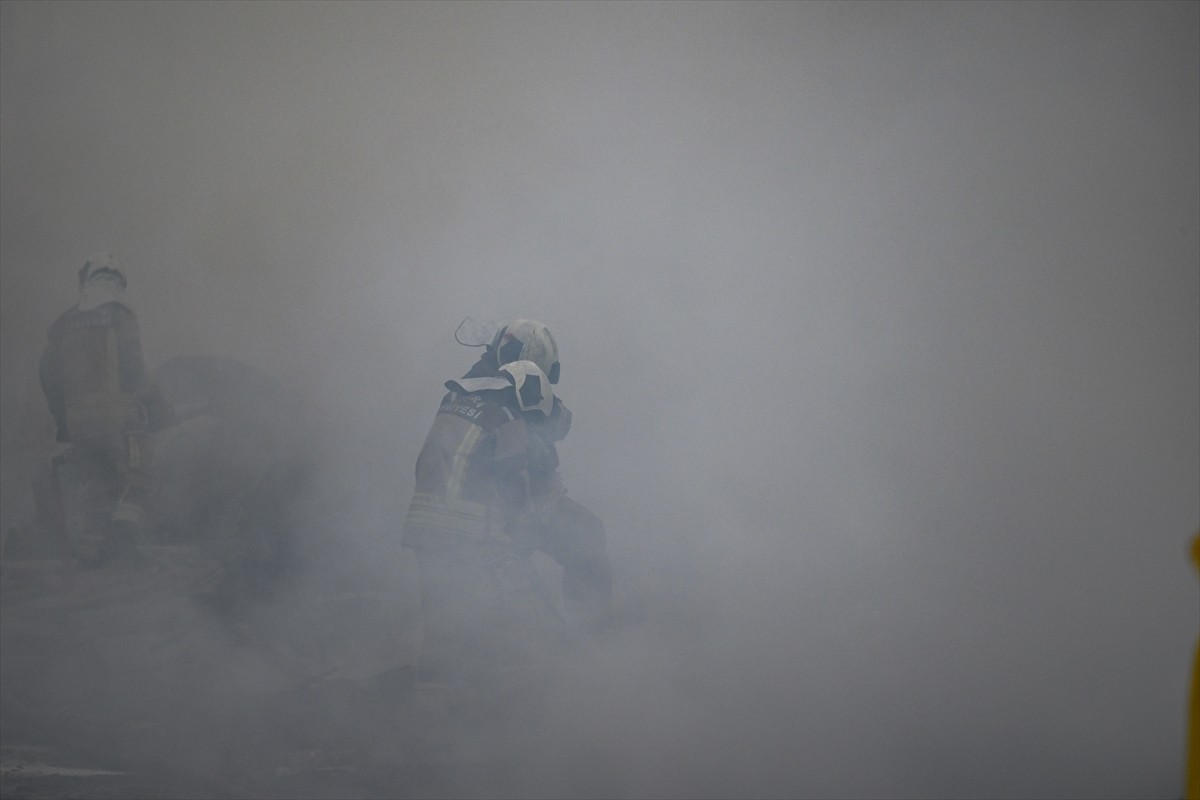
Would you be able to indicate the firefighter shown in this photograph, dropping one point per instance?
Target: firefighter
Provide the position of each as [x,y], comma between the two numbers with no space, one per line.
[480,476]
[105,407]
[553,522]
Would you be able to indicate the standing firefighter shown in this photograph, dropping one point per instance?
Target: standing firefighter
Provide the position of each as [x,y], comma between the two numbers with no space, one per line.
[94,378]
[487,496]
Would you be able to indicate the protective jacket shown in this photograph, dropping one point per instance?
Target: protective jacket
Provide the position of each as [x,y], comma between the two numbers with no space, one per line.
[94,376]
[472,478]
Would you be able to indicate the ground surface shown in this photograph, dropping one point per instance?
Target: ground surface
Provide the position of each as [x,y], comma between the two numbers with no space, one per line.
[129,682]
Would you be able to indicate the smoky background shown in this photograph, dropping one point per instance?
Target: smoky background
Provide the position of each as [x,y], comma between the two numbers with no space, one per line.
[880,324]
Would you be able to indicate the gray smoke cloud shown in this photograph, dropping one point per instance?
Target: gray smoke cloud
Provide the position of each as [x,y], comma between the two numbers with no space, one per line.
[880,324]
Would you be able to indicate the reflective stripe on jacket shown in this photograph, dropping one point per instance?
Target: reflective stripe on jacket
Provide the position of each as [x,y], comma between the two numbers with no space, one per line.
[471,475]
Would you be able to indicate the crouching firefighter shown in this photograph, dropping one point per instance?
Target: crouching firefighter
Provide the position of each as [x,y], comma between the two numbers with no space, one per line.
[554,522]
[486,616]
[105,408]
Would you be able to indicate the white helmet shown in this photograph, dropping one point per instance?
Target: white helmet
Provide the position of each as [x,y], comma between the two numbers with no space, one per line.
[533,388]
[527,340]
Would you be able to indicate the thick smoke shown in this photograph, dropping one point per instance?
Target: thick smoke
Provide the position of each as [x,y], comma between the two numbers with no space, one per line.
[879,323]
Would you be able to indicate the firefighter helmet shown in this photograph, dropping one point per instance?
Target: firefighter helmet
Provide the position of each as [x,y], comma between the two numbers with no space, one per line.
[527,340]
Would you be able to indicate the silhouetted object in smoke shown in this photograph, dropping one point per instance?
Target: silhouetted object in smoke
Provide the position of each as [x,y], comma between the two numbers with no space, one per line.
[237,478]
[238,420]
[94,378]
[487,496]
[260,554]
